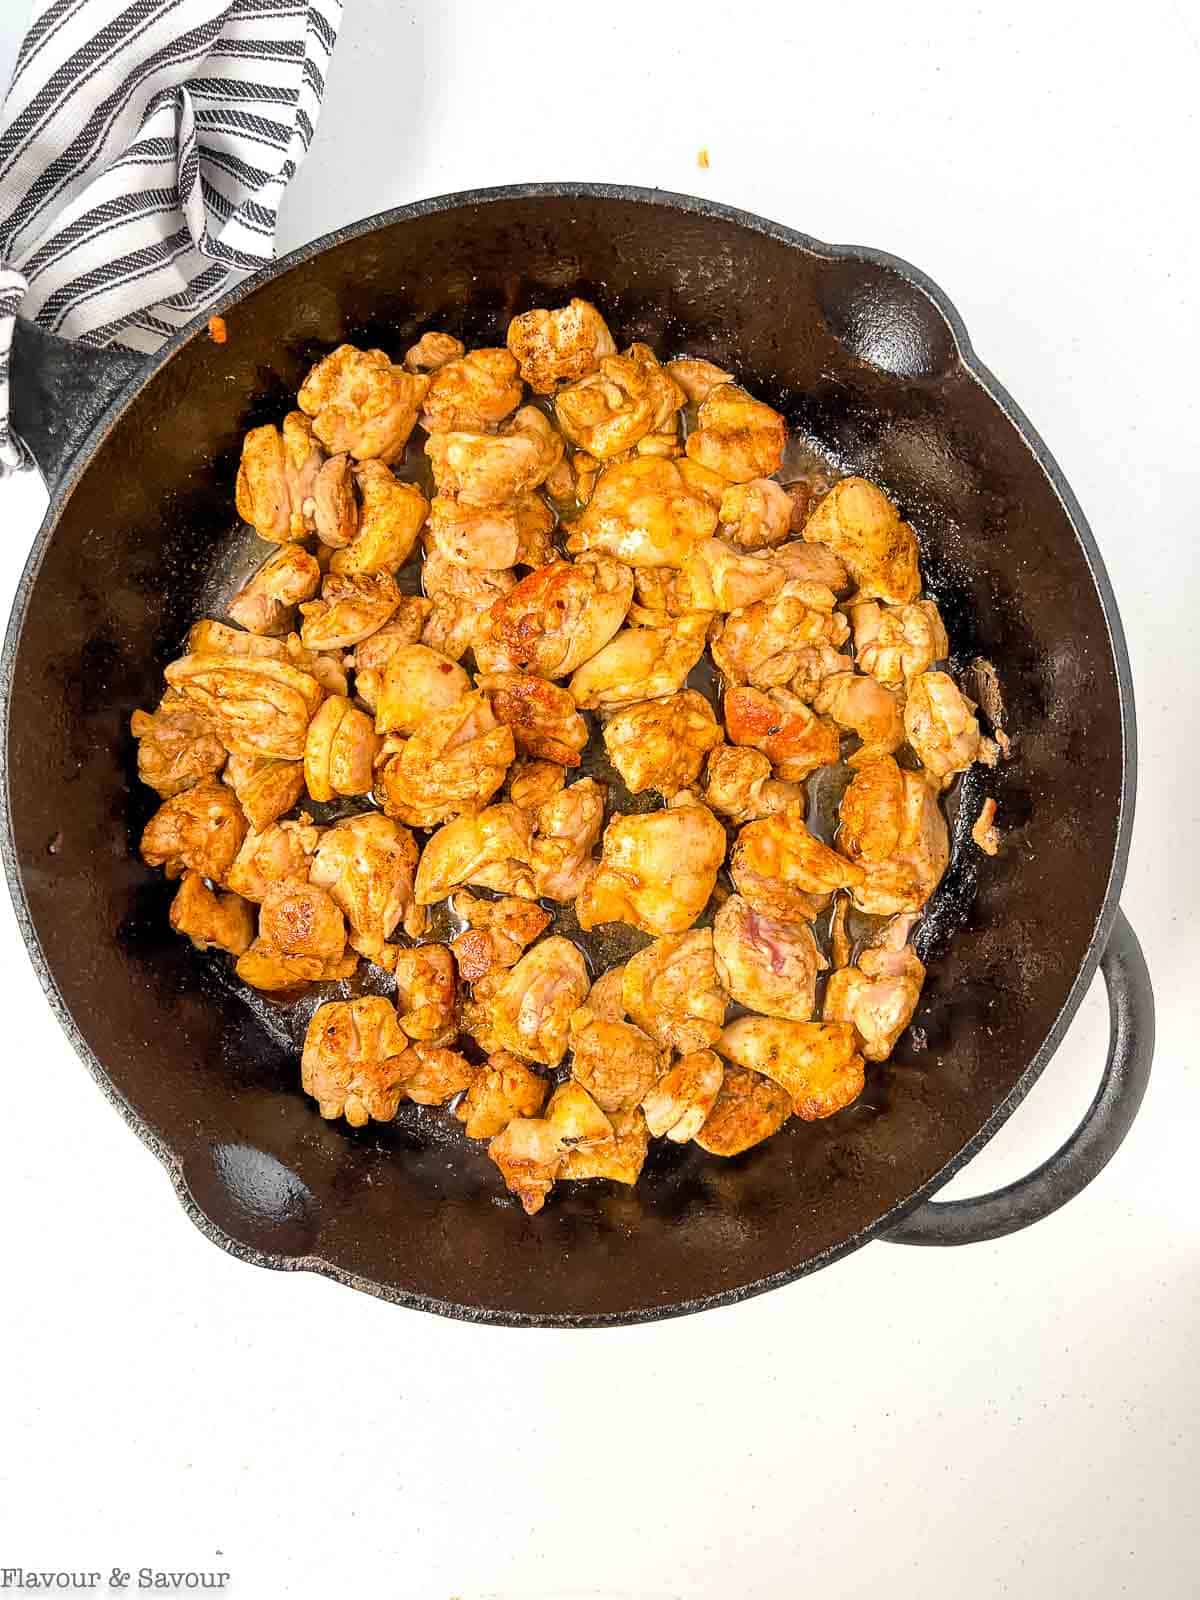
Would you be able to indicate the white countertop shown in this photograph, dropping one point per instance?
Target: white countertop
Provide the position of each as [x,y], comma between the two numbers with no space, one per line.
[1018,1418]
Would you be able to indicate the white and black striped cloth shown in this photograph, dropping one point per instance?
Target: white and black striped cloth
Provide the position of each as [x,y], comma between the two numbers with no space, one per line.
[144,149]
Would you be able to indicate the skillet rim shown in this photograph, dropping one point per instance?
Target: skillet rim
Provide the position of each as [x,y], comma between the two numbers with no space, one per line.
[969,362]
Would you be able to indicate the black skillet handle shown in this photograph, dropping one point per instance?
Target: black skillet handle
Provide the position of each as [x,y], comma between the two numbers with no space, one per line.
[1093,1144]
[59,391]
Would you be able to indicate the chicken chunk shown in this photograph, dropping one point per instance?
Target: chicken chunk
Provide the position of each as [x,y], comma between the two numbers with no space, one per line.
[760,644]
[661,744]
[616,1063]
[863,528]
[816,1063]
[897,643]
[472,392]
[697,378]
[657,870]
[353,605]
[671,989]
[640,664]
[393,514]
[892,825]
[531,783]
[678,1105]
[301,919]
[504,1089]
[779,724]
[492,539]
[433,1075]
[279,852]
[619,1158]
[265,789]
[354,1060]
[815,665]
[212,921]
[418,683]
[367,865]
[427,993]
[558,347]
[984,830]
[451,766]
[200,829]
[265,604]
[567,827]
[335,504]
[644,513]
[490,850]
[339,750]
[371,655]
[714,577]
[276,478]
[756,515]
[460,598]
[764,964]
[784,871]
[810,563]
[737,436]
[497,933]
[529,1155]
[610,410]
[494,469]
[527,1009]
[431,351]
[361,404]
[738,784]
[556,618]
[941,725]
[256,706]
[264,967]
[865,707]
[748,1109]
[177,746]
[879,995]
[542,716]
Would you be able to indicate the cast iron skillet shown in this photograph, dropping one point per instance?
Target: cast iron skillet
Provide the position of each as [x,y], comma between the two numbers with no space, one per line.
[872,365]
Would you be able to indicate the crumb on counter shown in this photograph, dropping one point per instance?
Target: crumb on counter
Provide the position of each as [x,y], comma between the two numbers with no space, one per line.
[217,331]
[985,832]
[702,157]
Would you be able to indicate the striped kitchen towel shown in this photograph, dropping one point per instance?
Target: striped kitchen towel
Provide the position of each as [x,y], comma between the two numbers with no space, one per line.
[144,149]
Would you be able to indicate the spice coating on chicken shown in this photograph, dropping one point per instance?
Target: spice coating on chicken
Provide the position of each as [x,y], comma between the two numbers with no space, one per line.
[640,664]
[784,871]
[661,744]
[353,605]
[200,829]
[265,789]
[737,436]
[896,643]
[339,750]
[452,765]
[643,513]
[863,528]
[497,932]
[892,825]
[941,725]
[756,515]
[629,397]
[567,827]
[657,870]
[471,392]
[392,515]
[276,479]
[494,469]
[766,965]
[211,921]
[816,1063]
[177,746]
[427,993]
[673,991]
[282,850]
[789,733]
[557,347]
[265,604]
[361,404]
[556,618]
[761,644]
[418,683]
[616,1063]
[542,717]
[255,705]
[353,1062]
[301,919]
[492,538]
[490,850]
[865,707]
[367,864]
[527,1009]
[738,784]
[459,598]
[878,996]
[748,1109]
[678,1105]
[505,1088]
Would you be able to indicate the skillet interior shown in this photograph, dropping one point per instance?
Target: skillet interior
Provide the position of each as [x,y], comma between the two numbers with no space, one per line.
[863,364]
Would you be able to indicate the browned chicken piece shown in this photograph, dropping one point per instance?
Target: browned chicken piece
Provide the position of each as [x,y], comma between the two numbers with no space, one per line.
[560,485]
[557,347]
[784,871]
[738,784]
[418,683]
[897,643]
[657,870]
[265,604]
[473,392]
[756,515]
[810,563]
[533,1151]
[567,827]
[616,1063]
[861,526]
[542,716]
[276,478]
[371,656]
[556,618]
[644,513]
[941,725]
[460,598]
[619,1158]
[301,919]
[367,865]
[610,410]
[452,765]
[816,664]
[672,991]
[505,1088]
[328,667]
[531,783]
[804,494]
[497,932]
[816,1063]
[279,852]
[433,1075]
[679,1103]
[697,378]
[493,538]
[177,747]
[790,734]
[760,644]
[714,577]
[362,404]
[880,994]
[865,707]
[209,638]
[490,850]
[335,504]
[200,829]
[748,1109]
[892,825]
[764,964]
[527,1009]
[340,751]
[212,921]
[494,469]
[265,789]
[353,605]
[661,744]
[393,514]
[264,967]
[984,830]
[354,1060]
[529,1155]
[737,436]
[431,351]
[427,993]
[640,664]
[256,706]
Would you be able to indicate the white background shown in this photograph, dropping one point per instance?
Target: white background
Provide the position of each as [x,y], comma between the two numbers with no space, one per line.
[1017,1418]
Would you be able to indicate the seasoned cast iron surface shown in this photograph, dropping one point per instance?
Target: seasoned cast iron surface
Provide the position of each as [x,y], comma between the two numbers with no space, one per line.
[867,372]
